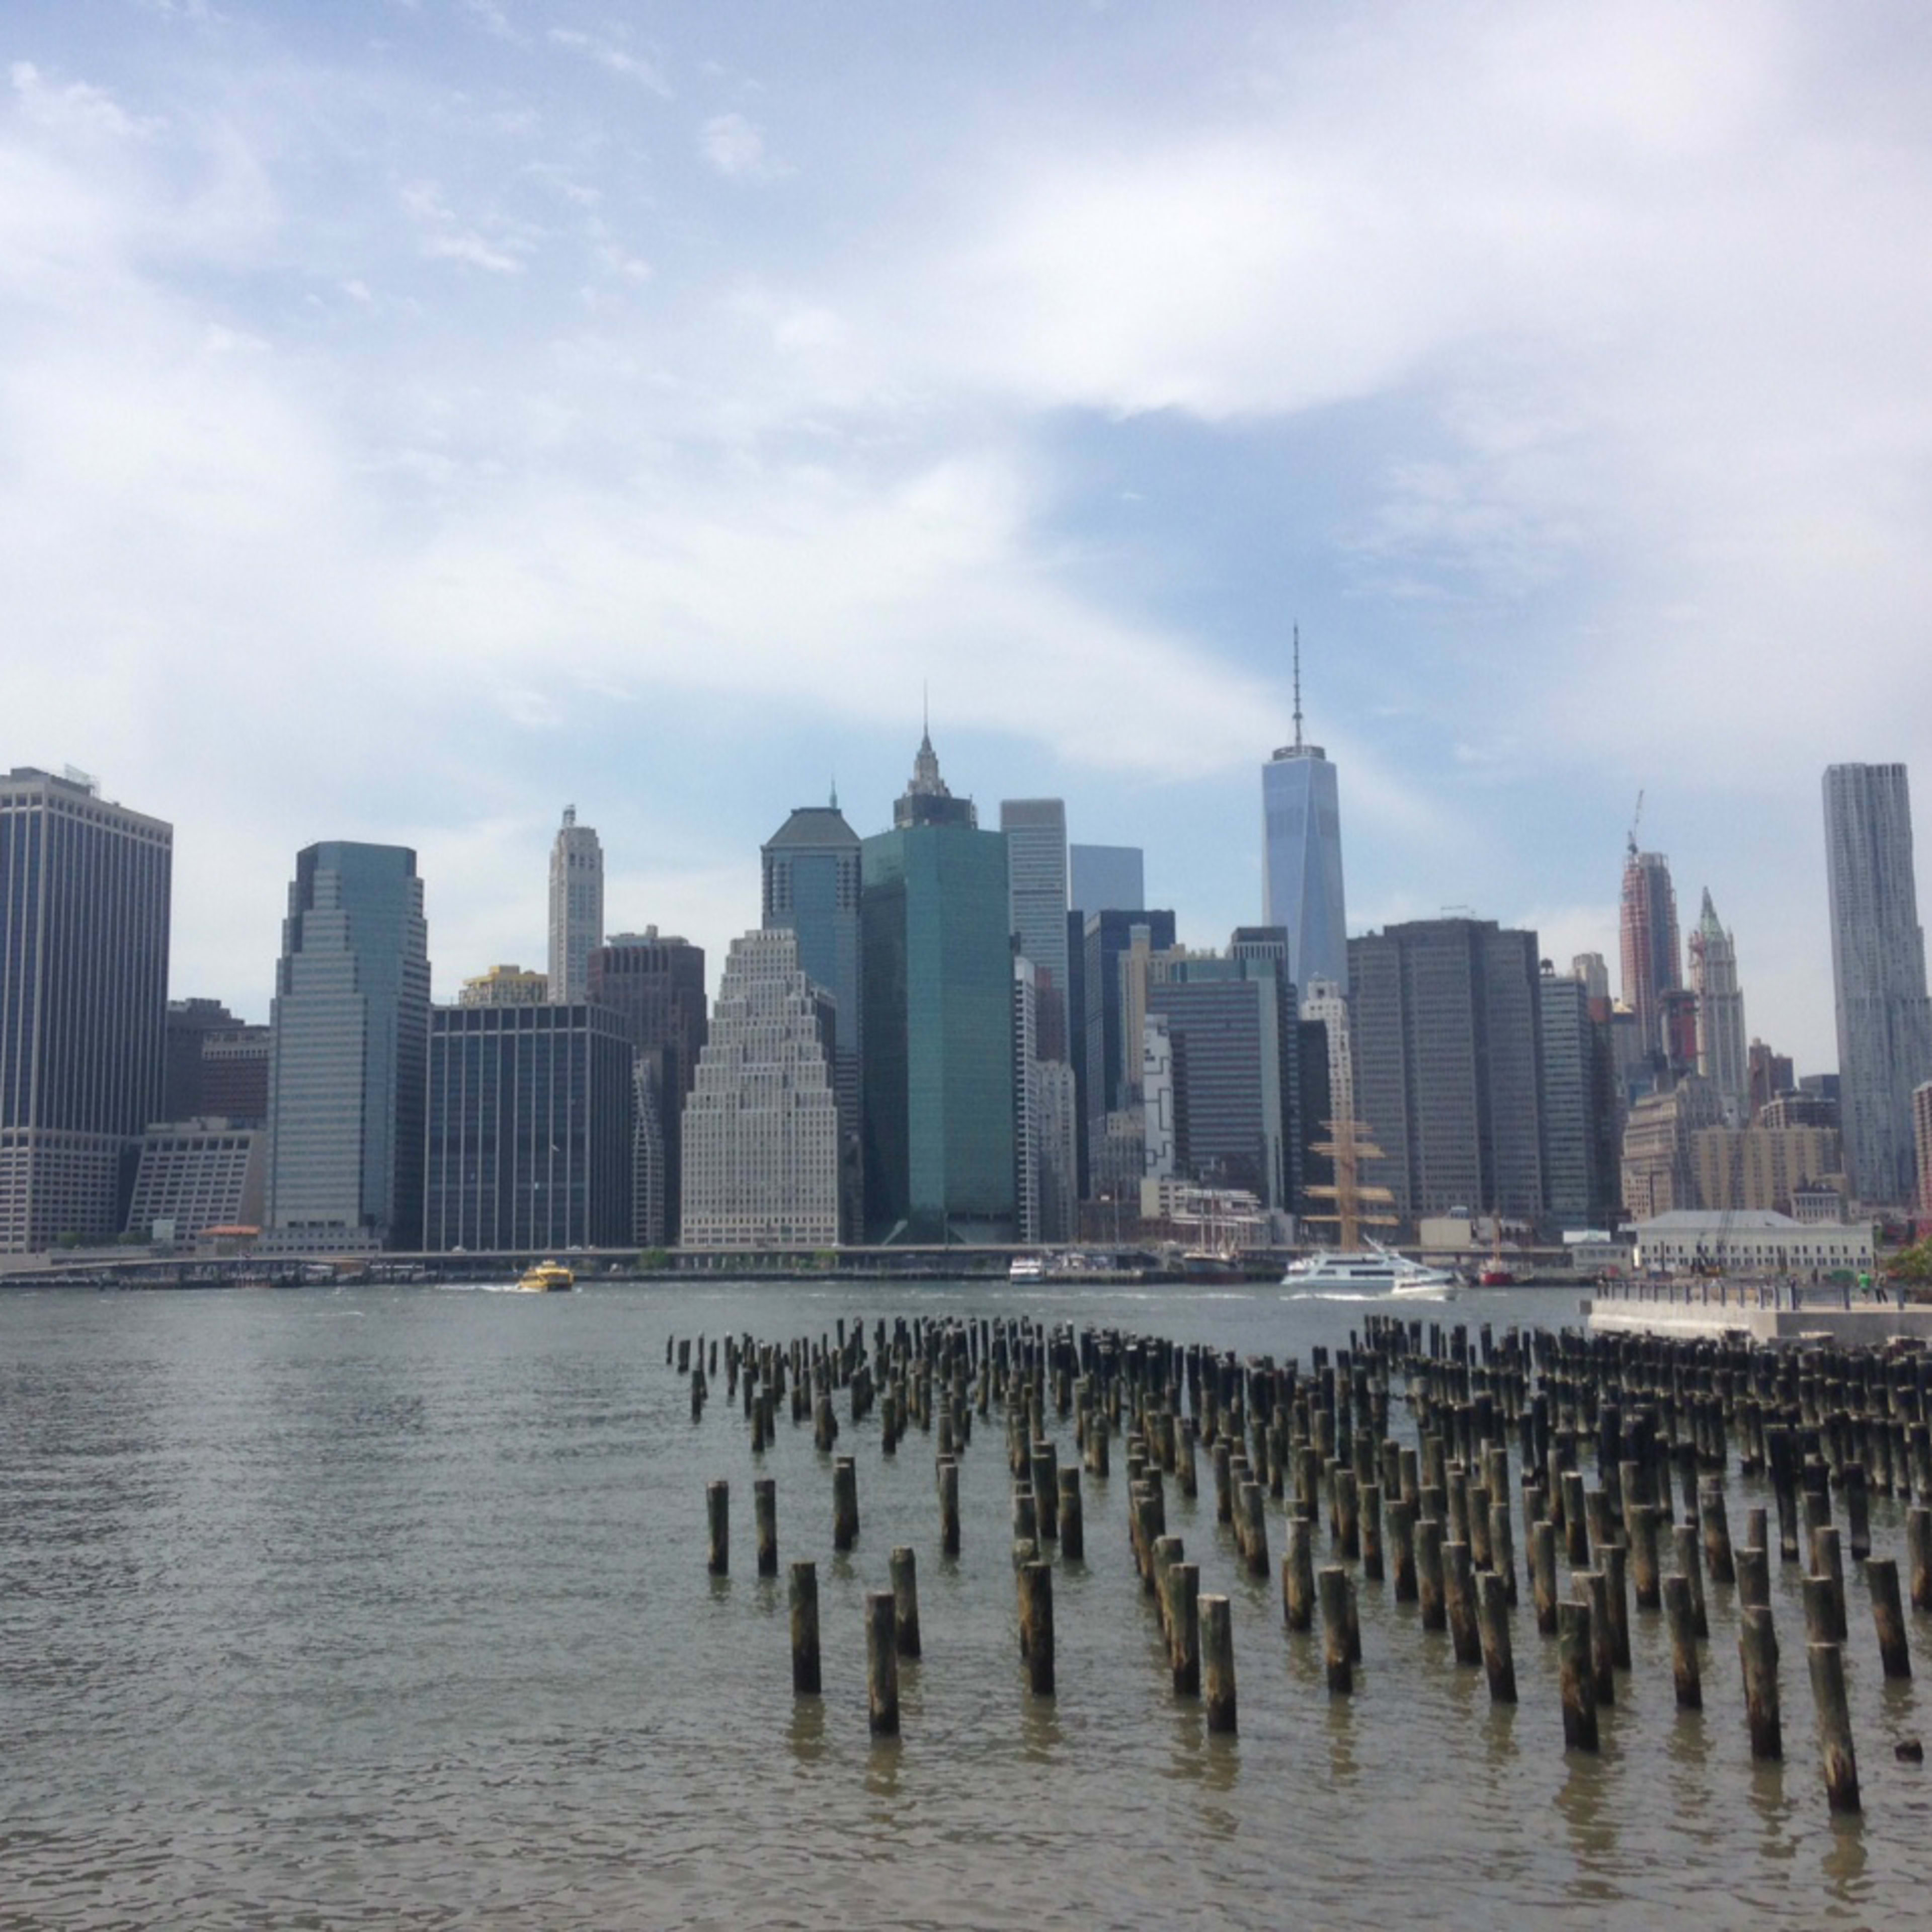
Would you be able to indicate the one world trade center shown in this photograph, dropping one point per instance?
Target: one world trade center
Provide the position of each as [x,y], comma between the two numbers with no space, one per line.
[1301,856]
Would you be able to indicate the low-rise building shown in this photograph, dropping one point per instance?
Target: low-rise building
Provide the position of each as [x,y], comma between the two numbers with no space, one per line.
[195,1175]
[1753,1242]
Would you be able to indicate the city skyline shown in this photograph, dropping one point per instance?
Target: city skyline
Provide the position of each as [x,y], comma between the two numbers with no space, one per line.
[450,410]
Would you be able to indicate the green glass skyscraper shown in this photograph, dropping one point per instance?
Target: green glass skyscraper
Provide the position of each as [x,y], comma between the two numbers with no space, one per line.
[936,1007]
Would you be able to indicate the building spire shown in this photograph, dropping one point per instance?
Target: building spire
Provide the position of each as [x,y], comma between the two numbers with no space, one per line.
[1297,687]
[835,791]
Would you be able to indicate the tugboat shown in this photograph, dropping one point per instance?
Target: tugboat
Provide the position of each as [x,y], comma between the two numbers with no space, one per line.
[547,1278]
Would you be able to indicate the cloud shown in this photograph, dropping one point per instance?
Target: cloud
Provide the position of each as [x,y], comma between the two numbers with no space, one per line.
[614,58]
[735,148]
[442,237]
[76,109]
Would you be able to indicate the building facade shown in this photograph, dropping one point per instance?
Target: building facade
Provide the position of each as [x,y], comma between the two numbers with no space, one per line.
[1878,973]
[1103,878]
[1659,1166]
[1036,834]
[1301,846]
[1753,1242]
[196,1176]
[1647,926]
[1580,1181]
[1721,1051]
[1113,1003]
[505,986]
[576,907]
[84,906]
[217,1067]
[529,1139]
[811,873]
[936,1005]
[1448,1065]
[1922,1134]
[349,1062]
[1765,1167]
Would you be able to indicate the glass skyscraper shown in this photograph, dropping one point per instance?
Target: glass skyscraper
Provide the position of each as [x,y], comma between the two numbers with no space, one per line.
[1106,878]
[84,896]
[937,1003]
[1878,973]
[1301,846]
[1035,833]
[348,1067]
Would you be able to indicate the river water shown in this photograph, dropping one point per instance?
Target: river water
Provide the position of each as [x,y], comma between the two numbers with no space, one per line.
[389,1606]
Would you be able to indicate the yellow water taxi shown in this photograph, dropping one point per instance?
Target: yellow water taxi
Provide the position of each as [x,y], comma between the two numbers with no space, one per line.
[547,1278]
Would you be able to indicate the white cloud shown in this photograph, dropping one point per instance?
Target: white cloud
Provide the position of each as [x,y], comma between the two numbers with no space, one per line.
[735,148]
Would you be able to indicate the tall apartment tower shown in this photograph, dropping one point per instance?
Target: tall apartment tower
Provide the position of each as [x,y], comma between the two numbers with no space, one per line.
[1301,844]
[1721,1050]
[1648,930]
[761,1127]
[937,1011]
[1036,829]
[84,897]
[1878,970]
[811,882]
[348,1067]
[576,907]
[1448,1064]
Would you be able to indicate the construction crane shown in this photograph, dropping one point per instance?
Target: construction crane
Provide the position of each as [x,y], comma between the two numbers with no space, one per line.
[1637,819]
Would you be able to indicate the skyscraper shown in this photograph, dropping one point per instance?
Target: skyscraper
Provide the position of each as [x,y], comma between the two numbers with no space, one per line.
[811,882]
[1036,831]
[1720,1013]
[1878,970]
[1648,932]
[576,907]
[1106,878]
[1301,844]
[529,1128]
[84,899]
[349,1062]
[1580,1135]
[760,1164]
[1448,1064]
[937,1003]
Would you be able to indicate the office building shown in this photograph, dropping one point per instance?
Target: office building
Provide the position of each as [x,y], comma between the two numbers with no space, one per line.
[1767,1076]
[1878,972]
[1922,1135]
[1721,1051]
[529,1130]
[576,907]
[811,873]
[217,1067]
[1659,1166]
[504,986]
[937,1008]
[1026,1058]
[761,1125]
[1325,1002]
[349,1058]
[1035,833]
[1755,1244]
[1589,969]
[1650,953]
[1580,1130]
[1301,845]
[1763,1166]
[1112,1003]
[195,1177]
[1448,1065]
[656,984]
[1105,878]
[84,900]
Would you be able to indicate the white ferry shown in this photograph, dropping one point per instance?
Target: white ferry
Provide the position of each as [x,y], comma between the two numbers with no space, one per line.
[1026,1268]
[1374,1270]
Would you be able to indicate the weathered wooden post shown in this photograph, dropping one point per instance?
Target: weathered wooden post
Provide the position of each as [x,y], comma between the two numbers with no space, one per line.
[904,1572]
[1835,1726]
[1402,1548]
[1753,1566]
[882,1662]
[1037,1626]
[1576,1674]
[1542,1575]
[1757,1650]
[1683,1547]
[844,1503]
[1333,1584]
[1046,1490]
[1072,1518]
[1592,1587]
[1646,1576]
[1575,1522]
[804,1630]
[1297,1575]
[1881,1580]
[1224,1496]
[1217,1662]
[1684,1666]
[1026,1519]
[1371,1532]
[1828,1560]
[1348,1517]
[1499,1659]
[1184,1627]
[1717,1531]
[1428,1574]
[718,1511]
[948,1507]
[765,1510]
[1919,1555]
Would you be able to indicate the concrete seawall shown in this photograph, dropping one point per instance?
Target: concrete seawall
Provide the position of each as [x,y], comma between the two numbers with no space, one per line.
[1861,1324]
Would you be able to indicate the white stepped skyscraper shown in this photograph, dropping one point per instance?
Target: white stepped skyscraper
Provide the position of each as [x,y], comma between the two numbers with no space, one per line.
[1720,1013]
[760,1132]
[576,908]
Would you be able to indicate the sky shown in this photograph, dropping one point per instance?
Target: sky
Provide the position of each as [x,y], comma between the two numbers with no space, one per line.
[418,415]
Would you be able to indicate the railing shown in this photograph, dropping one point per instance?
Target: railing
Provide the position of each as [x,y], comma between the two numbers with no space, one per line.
[1781,1292]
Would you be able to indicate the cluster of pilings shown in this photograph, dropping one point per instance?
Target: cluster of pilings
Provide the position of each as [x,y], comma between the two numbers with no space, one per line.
[1503,1428]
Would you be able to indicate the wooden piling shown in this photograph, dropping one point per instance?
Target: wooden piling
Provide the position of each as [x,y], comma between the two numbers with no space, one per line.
[1611,1559]
[718,1513]
[1882,1582]
[1576,1524]
[1402,1548]
[1753,1565]
[765,1510]
[1046,1490]
[1592,1587]
[948,1508]
[1459,1592]
[1217,1662]
[1717,1531]
[1757,1650]
[1919,1555]
[1254,1511]
[903,1569]
[1543,1576]
[1371,1495]
[882,1663]
[1072,1518]
[1428,1574]
[1333,1587]
[1492,1621]
[1646,1575]
[844,1503]
[1684,1666]
[1502,1547]
[1684,1546]
[1184,1627]
[1297,1575]
[804,1630]
[1577,1675]
[1828,1560]
[1827,1662]
[1036,1587]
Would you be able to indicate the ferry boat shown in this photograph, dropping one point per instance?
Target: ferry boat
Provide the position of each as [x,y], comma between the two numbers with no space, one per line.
[1026,1268]
[547,1278]
[1374,1270]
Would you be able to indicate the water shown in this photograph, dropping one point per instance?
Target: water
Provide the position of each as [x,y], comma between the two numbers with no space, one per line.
[390,1605]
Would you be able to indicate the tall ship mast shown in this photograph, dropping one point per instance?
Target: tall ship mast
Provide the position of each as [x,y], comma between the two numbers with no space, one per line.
[1358,1203]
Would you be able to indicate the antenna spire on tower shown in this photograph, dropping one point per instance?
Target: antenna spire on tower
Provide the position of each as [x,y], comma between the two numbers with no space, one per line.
[1297,687]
